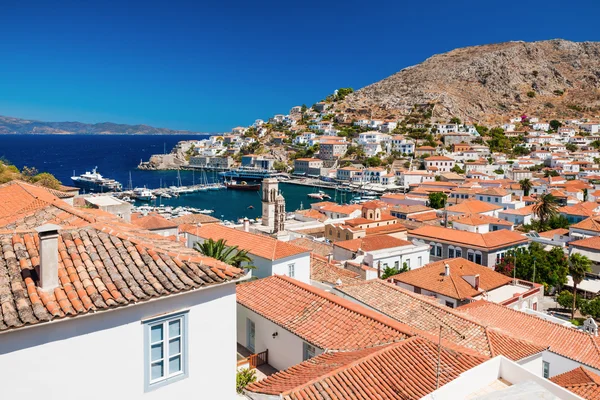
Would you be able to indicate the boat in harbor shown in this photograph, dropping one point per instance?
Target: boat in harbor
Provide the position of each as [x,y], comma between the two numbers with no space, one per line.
[243,185]
[94,182]
[320,195]
[143,194]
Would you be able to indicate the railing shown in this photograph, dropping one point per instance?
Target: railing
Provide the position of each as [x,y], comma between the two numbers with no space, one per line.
[258,359]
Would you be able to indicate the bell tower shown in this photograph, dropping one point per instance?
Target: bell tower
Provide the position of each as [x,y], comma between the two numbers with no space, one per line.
[270,191]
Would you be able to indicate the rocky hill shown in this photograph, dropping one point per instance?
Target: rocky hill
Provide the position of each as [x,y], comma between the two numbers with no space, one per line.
[9,125]
[485,84]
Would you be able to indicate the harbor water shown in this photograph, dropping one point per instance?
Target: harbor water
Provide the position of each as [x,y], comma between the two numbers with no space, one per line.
[116,156]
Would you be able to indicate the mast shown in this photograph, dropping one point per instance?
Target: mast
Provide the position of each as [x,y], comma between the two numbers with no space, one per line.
[130,183]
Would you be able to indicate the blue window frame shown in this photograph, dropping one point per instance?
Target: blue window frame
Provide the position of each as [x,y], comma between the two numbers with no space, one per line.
[165,350]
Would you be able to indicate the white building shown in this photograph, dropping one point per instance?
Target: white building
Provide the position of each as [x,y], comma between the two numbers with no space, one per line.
[269,256]
[137,318]
[381,251]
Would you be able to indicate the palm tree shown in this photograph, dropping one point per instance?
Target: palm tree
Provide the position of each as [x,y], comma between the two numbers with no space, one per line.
[585,194]
[526,186]
[578,266]
[545,208]
[220,251]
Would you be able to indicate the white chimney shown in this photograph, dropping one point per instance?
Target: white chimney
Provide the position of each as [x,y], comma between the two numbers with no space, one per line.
[246,225]
[330,257]
[446,269]
[48,268]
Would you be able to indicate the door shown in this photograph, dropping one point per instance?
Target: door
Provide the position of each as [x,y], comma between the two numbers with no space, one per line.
[250,333]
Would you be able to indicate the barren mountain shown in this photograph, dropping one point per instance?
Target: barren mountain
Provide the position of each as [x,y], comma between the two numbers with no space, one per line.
[554,78]
[10,125]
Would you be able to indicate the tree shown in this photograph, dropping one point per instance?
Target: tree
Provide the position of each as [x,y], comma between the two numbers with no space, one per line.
[579,265]
[457,169]
[585,194]
[220,251]
[391,271]
[373,161]
[551,267]
[571,147]
[550,172]
[545,208]
[554,124]
[455,120]
[591,307]
[280,166]
[526,186]
[565,300]
[46,180]
[437,200]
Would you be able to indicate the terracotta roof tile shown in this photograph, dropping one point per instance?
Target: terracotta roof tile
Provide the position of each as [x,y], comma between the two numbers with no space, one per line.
[371,243]
[97,271]
[580,381]
[588,243]
[427,315]
[152,221]
[320,318]
[323,271]
[473,207]
[568,342]
[259,245]
[490,240]
[405,370]
[432,277]
[319,248]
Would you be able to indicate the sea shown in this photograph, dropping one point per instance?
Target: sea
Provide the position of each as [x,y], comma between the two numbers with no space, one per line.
[117,156]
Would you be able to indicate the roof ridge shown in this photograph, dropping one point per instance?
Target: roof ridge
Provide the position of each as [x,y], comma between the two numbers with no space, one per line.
[420,298]
[353,307]
[359,360]
[482,302]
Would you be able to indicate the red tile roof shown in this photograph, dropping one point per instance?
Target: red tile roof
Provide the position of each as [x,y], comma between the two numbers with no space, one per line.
[323,271]
[485,241]
[320,318]
[588,243]
[372,243]
[588,224]
[473,207]
[426,315]
[259,245]
[97,271]
[432,277]
[320,248]
[567,342]
[152,221]
[405,370]
[580,381]
[478,219]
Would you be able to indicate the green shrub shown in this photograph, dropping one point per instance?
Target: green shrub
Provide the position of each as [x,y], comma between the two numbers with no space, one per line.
[243,378]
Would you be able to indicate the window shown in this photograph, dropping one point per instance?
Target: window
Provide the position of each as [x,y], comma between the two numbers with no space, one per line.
[396,264]
[450,304]
[420,259]
[546,369]
[308,351]
[450,252]
[438,250]
[470,255]
[478,258]
[407,262]
[431,249]
[458,252]
[496,199]
[165,350]
[291,270]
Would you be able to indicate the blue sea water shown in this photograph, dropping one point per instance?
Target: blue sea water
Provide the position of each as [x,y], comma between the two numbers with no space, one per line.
[118,155]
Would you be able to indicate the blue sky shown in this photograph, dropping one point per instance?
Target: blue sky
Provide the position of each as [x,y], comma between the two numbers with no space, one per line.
[212,65]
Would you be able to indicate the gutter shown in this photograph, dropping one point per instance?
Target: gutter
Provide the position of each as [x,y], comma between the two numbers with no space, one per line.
[93,312]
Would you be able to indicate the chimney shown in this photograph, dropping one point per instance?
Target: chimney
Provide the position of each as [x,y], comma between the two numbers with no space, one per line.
[246,225]
[329,258]
[446,269]
[477,282]
[48,268]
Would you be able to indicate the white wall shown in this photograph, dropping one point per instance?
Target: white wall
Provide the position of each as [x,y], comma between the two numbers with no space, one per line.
[285,350]
[101,356]
[301,267]
[560,364]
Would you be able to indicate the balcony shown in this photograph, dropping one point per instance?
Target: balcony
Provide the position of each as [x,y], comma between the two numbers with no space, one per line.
[257,361]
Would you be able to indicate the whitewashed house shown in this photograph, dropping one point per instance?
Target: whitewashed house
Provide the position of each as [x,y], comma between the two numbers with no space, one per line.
[114,316]
[269,256]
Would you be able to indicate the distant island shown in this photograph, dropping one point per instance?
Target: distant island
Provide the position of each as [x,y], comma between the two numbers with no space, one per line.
[16,126]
